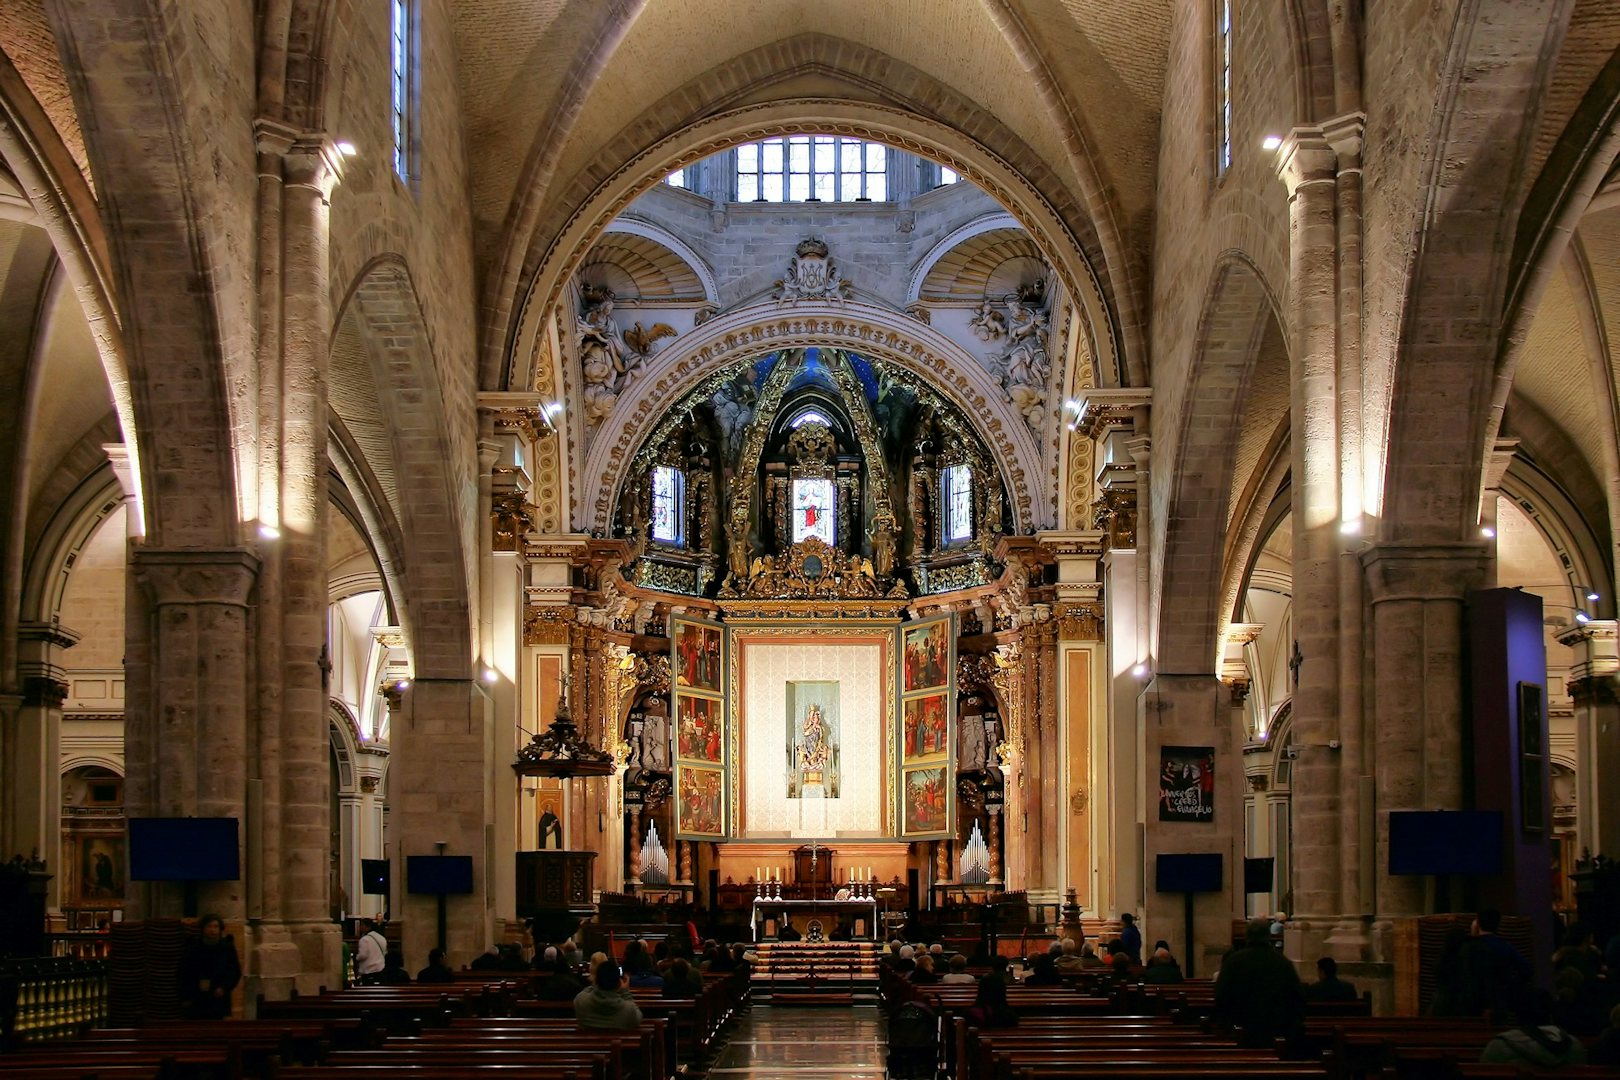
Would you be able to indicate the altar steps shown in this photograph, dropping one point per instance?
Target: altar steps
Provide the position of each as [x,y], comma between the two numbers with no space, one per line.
[824,973]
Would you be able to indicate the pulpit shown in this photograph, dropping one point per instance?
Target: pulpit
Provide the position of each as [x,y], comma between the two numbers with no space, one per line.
[553,881]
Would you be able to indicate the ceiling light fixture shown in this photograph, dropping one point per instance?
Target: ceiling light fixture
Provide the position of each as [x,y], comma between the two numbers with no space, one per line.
[347,148]
[269,532]
[1271,142]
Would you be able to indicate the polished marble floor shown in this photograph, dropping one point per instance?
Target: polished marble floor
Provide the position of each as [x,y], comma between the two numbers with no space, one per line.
[815,1044]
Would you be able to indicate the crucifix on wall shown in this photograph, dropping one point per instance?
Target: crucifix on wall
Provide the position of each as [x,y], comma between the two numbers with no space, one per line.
[1296,660]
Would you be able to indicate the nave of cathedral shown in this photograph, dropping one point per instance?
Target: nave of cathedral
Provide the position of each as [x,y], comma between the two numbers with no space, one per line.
[522,470]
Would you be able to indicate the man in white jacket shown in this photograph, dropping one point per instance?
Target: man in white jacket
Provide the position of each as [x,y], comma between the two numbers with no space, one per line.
[369,952]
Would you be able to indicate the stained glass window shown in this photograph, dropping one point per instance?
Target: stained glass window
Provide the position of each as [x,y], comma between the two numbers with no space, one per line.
[1223,57]
[957,482]
[804,167]
[813,509]
[402,61]
[668,493]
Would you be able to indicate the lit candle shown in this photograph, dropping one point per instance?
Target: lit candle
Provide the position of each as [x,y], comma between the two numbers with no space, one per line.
[756,874]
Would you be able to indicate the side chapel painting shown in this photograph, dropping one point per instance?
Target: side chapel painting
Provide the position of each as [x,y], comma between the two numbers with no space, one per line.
[813,740]
[698,733]
[926,658]
[101,869]
[697,656]
[924,793]
[699,802]
[925,727]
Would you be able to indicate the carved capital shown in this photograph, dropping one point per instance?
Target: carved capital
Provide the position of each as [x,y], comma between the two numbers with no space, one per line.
[42,691]
[1346,135]
[1238,691]
[1258,782]
[1080,622]
[196,575]
[546,626]
[1306,158]
[1104,410]
[368,785]
[1115,515]
[512,519]
[1439,571]
[1594,691]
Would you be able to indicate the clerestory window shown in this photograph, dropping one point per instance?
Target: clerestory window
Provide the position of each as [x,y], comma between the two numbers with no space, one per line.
[802,168]
[402,84]
[1223,86]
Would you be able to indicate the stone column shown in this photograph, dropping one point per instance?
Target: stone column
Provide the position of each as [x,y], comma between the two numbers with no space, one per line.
[1194,710]
[1307,165]
[188,738]
[295,944]
[1595,685]
[437,795]
[34,782]
[1113,417]
[1417,593]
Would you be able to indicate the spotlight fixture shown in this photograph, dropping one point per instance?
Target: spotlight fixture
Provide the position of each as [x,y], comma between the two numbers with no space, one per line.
[1582,617]
[1487,532]
[490,675]
[403,684]
[269,532]
[1593,595]
[1271,142]
[1350,527]
[347,148]
[1140,671]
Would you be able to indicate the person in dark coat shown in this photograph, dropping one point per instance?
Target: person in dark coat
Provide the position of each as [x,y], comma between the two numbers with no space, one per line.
[559,983]
[1497,974]
[1130,938]
[682,980]
[209,971]
[1162,969]
[1258,991]
[1044,973]
[1451,990]
[393,972]
[437,971]
[990,1008]
[1328,986]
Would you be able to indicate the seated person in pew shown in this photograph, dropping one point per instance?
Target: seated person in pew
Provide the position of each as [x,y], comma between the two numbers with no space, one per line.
[990,1008]
[1328,986]
[1069,961]
[559,982]
[682,980]
[437,971]
[907,962]
[1258,991]
[1536,1043]
[958,972]
[1089,960]
[488,960]
[393,972]
[1045,972]
[924,972]
[606,1005]
[1162,969]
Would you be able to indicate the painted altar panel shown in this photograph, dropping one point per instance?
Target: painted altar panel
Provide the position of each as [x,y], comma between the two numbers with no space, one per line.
[813,732]
[697,667]
[927,769]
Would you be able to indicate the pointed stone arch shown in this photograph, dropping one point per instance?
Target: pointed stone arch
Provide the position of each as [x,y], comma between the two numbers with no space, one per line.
[548,240]
[388,400]
[1239,312]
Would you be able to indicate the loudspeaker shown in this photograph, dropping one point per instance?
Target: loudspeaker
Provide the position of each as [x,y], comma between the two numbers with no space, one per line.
[375,876]
[1258,874]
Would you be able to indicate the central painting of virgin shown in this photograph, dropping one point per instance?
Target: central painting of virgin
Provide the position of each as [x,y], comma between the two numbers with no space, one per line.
[812,709]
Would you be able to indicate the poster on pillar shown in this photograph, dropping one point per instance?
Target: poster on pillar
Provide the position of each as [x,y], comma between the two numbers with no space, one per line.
[925,784]
[697,666]
[1187,783]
